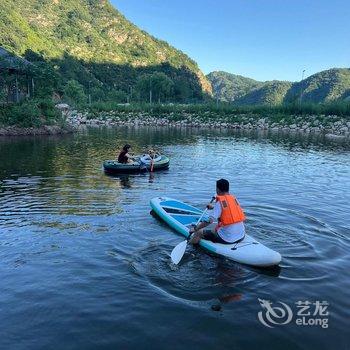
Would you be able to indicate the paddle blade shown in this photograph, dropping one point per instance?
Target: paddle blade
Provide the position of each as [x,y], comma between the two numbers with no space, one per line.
[178,252]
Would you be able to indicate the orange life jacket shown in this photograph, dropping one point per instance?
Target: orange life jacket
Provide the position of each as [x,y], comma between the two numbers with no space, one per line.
[231,212]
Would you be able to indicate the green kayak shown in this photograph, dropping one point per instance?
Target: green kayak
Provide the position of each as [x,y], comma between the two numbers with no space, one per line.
[141,164]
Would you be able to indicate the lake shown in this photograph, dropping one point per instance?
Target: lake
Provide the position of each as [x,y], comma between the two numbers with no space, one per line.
[84,265]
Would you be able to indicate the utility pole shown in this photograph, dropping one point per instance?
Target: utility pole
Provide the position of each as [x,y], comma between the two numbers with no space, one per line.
[150,91]
[301,87]
[17,93]
[32,87]
[89,93]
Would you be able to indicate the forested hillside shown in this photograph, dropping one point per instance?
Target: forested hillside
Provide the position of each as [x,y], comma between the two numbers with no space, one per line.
[91,43]
[230,87]
[271,93]
[326,86]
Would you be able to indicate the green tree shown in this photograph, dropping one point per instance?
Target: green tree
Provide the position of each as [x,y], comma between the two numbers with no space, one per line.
[117,96]
[46,80]
[182,90]
[143,86]
[162,86]
[159,84]
[74,92]
[97,94]
[2,95]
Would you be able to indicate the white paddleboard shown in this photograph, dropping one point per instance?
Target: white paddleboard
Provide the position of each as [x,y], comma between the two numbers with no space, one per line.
[180,216]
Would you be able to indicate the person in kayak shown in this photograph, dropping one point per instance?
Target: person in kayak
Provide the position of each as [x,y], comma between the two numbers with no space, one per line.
[229,215]
[124,157]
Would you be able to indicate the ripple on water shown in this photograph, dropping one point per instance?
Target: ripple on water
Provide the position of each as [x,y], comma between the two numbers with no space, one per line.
[26,201]
[198,279]
[289,231]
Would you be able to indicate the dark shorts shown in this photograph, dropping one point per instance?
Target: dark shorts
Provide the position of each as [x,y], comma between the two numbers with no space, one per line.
[213,237]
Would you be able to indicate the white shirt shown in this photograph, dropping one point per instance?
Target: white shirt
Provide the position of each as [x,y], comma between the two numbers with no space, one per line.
[229,233]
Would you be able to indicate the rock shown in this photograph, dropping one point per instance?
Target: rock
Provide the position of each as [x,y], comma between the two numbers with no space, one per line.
[334,137]
[62,106]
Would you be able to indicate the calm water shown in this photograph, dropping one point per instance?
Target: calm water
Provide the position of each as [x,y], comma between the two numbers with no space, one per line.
[85,265]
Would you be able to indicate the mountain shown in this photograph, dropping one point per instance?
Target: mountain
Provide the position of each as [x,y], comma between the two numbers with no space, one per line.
[230,87]
[326,86]
[246,91]
[271,92]
[92,42]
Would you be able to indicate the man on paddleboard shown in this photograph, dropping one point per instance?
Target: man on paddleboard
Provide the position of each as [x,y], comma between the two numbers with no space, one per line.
[229,215]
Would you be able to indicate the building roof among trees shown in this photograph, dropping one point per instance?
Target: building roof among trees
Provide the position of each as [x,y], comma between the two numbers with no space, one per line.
[11,62]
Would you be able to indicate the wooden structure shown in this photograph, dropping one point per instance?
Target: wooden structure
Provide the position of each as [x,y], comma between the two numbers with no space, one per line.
[16,79]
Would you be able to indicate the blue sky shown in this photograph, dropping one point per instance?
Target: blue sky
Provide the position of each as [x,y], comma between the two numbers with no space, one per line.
[261,39]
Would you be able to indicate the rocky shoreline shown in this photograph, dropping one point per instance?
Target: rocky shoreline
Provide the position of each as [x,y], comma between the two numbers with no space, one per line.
[331,126]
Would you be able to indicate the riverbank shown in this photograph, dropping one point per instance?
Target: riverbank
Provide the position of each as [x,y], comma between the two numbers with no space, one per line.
[42,130]
[331,125]
[35,117]
[63,119]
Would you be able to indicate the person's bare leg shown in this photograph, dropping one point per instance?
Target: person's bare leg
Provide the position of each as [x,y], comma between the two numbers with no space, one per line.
[196,236]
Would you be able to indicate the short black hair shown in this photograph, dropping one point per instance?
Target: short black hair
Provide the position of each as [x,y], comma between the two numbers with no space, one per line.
[223,185]
[126,147]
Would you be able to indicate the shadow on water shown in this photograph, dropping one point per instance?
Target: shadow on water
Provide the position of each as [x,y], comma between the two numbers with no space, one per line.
[125,180]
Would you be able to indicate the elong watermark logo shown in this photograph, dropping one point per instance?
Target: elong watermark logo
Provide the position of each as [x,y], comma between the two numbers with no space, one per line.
[308,313]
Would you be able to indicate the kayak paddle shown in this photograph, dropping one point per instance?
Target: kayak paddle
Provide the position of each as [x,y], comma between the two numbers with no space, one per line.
[179,251]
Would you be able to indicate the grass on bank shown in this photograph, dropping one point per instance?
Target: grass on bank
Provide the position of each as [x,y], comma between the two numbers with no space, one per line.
[38,112]
[336,108]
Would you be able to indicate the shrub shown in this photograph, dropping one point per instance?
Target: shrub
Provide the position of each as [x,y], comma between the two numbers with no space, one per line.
[29,113]
[74,92]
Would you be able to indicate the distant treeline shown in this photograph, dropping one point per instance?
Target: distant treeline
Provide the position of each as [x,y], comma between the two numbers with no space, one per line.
[69,80]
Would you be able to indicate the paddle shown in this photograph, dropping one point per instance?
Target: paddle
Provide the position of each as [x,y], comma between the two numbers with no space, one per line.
[152,160]
[179,251]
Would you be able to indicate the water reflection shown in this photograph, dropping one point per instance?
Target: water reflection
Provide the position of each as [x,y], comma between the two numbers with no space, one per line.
[124,180]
